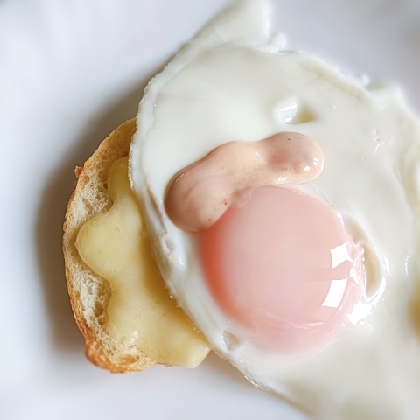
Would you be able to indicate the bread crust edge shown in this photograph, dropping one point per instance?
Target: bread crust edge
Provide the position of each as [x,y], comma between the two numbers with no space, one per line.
[102,352]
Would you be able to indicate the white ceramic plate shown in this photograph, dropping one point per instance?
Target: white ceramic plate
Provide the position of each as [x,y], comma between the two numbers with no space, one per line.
[70,72]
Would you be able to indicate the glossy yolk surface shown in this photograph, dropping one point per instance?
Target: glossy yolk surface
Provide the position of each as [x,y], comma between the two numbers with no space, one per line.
[283,268]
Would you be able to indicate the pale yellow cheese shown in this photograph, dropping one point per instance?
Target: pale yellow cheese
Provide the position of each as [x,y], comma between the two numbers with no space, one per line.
[115,245]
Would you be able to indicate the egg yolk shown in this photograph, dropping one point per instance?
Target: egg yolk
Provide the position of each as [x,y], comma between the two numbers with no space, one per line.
[282,267]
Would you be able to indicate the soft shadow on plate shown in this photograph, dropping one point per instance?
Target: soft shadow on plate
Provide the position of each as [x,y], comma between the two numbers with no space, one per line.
[66,336]
[224,368]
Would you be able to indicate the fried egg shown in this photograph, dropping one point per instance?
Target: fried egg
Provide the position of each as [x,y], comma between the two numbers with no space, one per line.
[233,83]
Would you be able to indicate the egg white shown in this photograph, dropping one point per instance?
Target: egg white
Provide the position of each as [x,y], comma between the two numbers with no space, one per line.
[230,83]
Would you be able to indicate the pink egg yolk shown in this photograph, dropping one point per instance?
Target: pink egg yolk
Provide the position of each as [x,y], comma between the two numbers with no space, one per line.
[282,267]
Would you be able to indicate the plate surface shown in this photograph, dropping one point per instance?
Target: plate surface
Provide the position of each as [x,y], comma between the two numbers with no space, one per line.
[70,72]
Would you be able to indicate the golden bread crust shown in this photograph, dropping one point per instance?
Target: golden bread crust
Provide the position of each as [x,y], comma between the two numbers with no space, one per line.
[89,293]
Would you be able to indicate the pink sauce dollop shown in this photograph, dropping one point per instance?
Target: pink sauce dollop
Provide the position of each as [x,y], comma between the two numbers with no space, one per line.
[198,195]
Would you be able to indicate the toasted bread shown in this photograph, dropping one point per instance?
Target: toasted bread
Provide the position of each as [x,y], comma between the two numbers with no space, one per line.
[90,294]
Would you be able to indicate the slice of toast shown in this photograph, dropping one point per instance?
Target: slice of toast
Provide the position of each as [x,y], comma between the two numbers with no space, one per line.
[175,340]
